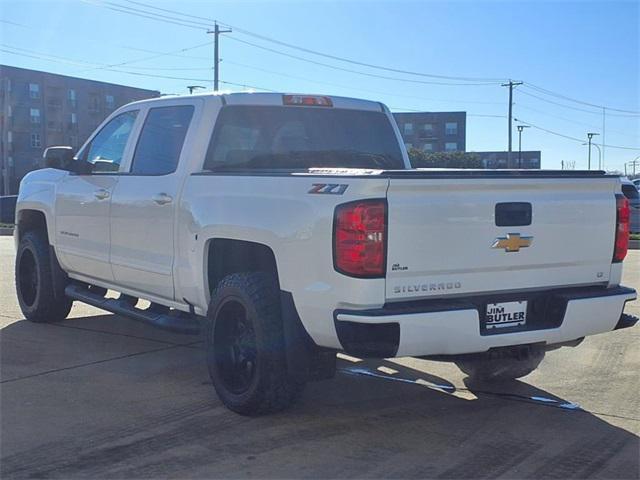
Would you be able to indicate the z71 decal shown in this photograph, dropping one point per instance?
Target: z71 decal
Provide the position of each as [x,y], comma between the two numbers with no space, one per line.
[329,188]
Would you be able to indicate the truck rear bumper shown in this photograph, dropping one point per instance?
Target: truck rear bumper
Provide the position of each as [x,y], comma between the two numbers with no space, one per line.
[448,328]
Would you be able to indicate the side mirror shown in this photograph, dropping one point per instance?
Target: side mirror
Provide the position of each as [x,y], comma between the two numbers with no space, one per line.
[59,157]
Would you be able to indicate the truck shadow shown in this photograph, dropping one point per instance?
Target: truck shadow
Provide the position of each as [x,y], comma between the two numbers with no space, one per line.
[143,406]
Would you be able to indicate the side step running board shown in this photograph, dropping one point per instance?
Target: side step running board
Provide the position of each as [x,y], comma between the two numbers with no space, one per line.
[177,322]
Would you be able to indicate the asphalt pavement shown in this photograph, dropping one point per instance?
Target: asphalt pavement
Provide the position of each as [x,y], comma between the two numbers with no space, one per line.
[102,396]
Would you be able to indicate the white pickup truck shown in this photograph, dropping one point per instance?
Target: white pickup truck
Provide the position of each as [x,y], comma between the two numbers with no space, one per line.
[291,227]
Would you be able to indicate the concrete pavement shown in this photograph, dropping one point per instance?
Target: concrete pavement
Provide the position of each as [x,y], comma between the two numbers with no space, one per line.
[101,396]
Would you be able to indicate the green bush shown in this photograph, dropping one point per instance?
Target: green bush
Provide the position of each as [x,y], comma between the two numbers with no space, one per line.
[421,159]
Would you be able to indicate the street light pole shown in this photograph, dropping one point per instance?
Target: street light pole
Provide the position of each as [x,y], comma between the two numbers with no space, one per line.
[599,155]
[520,128]
[590,135]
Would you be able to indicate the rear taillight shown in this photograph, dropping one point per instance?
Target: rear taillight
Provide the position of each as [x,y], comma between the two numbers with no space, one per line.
[622,228]
[360,238]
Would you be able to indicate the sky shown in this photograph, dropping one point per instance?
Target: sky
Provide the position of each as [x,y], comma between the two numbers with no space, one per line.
[574,57]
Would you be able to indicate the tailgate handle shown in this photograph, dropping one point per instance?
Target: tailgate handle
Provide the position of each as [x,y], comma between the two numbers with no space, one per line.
[513,214]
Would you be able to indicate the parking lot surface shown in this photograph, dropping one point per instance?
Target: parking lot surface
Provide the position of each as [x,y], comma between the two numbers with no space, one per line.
[101,396]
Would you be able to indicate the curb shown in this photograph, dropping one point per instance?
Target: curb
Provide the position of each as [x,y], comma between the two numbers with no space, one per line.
[634,244]
[6,231]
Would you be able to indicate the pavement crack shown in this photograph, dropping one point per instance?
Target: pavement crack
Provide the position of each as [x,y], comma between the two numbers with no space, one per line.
[96,362]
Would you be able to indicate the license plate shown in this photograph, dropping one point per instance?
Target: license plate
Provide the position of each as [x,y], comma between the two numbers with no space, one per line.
[506,314]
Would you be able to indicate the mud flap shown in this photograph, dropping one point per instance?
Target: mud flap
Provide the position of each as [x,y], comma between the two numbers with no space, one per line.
[306,361]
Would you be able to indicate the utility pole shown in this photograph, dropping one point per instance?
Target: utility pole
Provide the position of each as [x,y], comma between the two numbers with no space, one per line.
[590,135]
[520,128]
[511,84]
[216,58]
[604,121]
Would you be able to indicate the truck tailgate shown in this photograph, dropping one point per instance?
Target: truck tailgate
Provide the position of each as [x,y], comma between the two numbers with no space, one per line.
[444,238]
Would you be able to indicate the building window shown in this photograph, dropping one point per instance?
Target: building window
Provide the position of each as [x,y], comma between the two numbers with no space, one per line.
[451,128]
[9,111]
[71,95]
[35,115]
[8,85]
[450,147]
[35,140]
[109,101]
[427,147]
[408,128]
[74,119]
[428,128]
[9,136]
[73,139]
[94,103]
[34,90]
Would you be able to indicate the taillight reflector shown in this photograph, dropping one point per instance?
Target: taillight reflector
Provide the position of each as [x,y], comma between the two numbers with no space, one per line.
[622,228]
[360,238]
[307,100]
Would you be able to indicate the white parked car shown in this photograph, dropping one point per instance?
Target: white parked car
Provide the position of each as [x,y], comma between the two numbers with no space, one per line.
[293,227]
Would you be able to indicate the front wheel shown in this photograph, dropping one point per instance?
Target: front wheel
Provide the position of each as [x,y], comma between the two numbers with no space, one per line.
[40,299]
[500,367]
[245,345]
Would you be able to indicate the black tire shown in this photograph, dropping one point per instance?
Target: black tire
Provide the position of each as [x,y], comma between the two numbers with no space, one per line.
[500,368]
[41,299]
[245,346]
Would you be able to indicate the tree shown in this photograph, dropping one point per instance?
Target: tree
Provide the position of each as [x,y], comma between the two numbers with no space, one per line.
[421,159]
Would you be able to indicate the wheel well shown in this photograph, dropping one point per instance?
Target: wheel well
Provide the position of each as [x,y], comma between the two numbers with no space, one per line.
[31,220]
[227,256]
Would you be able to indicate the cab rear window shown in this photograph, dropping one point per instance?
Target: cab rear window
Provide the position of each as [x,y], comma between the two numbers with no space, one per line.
[267,137]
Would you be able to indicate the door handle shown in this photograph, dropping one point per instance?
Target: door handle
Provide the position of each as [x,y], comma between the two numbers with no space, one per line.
[162,198]
[101,194]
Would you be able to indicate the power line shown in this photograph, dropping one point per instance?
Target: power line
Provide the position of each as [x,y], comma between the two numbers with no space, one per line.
[321,54]
[368,65]
[568,120]
[163,18]
[570,107]
[249,86]
[200,25]
[101,42]
[565,97]
[64,61]
[357,72]
[97,66]
[581,140]
[355,88]
[153,56]
[58,59]
[105,5]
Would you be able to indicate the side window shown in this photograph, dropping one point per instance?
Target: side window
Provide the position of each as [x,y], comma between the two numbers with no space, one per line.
[107,148]
[161,140]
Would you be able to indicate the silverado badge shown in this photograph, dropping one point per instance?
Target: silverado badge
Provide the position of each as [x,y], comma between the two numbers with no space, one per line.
[513,242]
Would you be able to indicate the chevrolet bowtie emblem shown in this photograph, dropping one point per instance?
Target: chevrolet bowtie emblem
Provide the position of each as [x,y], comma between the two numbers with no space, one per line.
[513,242]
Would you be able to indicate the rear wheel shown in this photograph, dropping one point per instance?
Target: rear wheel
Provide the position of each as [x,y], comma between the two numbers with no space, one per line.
[500,366]
[245,345]
[41,299]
